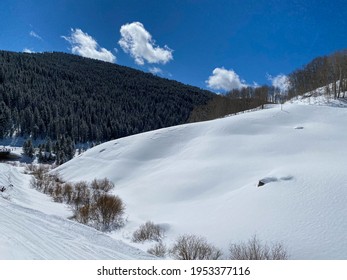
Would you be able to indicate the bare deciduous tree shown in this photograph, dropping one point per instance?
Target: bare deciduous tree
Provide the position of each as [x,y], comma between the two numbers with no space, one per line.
[148,231]
[254,249]
[192,247]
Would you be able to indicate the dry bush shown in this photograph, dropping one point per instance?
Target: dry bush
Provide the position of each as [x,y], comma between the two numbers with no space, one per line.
[148,231]
[90,202]
[83,215]
[34,183]
[254,249]
[68,193]
[38,170]
[58,193]
[81,195]
[101,186]
[192,247]
[158,250]
[56,178]
[29,168]
[108,212]
[47,185]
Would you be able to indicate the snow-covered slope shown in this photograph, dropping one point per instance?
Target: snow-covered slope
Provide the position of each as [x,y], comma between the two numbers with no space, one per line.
[202,178]
[33,227]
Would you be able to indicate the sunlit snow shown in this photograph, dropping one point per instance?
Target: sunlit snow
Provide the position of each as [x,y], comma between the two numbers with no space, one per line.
[202,179]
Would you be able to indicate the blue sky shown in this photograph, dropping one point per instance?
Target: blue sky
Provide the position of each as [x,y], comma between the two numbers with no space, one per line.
[218,45]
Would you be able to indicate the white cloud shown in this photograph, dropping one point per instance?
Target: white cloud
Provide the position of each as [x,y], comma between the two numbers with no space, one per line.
[138,42]
[26,50]
[155,70]
[85,45]
[35,35]
[223,79]
[281,82]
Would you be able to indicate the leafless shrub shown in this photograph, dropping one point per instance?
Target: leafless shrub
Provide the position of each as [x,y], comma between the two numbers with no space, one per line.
[81,195]
[100,186]
[83,214]
[159,250]
[148,231]
[108,212]
[47,185]
[34,183]
[192,247]
[67,193]
[58,193]
[30,168]
[90,202]
[254,249]
[38,170]
[56,178]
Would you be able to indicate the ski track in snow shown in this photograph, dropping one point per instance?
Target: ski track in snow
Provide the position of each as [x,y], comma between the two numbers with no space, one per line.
[31,234]
[34,235]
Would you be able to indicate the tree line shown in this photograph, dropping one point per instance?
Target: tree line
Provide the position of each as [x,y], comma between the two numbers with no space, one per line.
[55,95]
[57,151]
[325,71]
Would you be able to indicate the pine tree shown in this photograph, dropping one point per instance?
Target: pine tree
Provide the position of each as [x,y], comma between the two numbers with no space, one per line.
[28,148]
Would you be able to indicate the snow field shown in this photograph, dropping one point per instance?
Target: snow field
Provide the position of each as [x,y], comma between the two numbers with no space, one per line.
[202,178]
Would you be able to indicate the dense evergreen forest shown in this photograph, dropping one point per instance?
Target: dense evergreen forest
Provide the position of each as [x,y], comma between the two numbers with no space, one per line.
[56,94]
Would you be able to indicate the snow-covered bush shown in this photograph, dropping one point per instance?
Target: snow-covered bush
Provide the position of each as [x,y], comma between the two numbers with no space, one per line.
[254,249]
[159,250]
[192,247]
[101,186]
[148,231]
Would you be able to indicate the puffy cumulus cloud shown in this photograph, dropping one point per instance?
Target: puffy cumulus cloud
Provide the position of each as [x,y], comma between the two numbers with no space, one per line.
[280,81]
[223,79]
[35,35]
[137,41]
[26,50]
[85,45]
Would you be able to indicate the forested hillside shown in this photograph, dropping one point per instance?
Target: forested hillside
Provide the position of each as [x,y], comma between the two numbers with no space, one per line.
[54,94]
[322,71]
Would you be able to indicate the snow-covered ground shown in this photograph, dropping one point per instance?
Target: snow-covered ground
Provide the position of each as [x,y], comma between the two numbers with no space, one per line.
[33,227]
[319,97]
[202,179]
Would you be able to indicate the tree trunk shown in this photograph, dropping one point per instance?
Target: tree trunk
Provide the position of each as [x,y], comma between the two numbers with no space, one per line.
[340,83]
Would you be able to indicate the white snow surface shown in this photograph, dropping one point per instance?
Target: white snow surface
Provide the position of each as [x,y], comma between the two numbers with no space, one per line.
[202,179]
[34,227]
